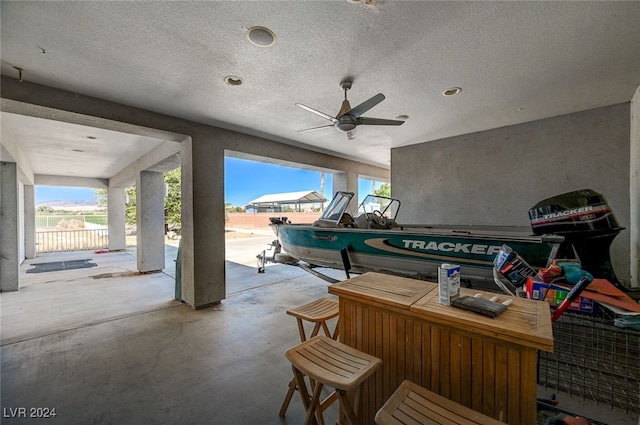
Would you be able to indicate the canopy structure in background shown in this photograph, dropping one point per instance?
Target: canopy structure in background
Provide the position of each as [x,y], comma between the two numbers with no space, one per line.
[276,202]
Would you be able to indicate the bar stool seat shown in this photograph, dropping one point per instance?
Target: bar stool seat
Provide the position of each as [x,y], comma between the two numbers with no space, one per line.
[331,363]
[413,404]
[317,312]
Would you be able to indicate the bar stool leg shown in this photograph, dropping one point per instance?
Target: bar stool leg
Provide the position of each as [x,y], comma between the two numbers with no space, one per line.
[347,408]
[288,397]
[310,402]
[303,337]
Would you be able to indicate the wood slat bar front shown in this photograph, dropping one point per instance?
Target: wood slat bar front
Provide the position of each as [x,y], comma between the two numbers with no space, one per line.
[488,365]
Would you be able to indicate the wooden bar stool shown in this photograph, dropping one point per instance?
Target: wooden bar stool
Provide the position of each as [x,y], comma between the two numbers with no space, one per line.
[331,363]
[413,404]
[317,312]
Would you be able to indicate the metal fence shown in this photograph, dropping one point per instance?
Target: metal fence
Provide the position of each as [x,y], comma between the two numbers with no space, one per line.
[71,240]
[594,359]
[51,221]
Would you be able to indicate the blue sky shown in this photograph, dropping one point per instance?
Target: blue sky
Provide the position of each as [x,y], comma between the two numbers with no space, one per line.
[244,181]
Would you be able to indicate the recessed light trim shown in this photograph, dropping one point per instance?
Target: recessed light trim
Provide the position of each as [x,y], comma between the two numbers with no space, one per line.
[452,91]
[233,81]
[77,150]
[402,117]
[261,36]
[91,137]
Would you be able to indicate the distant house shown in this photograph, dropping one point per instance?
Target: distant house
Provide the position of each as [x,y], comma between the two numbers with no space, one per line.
[277,202]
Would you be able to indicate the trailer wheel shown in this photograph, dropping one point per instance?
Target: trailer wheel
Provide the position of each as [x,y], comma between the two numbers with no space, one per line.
[284,259]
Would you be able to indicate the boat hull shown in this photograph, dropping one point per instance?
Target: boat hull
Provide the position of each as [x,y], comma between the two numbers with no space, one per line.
[415,251]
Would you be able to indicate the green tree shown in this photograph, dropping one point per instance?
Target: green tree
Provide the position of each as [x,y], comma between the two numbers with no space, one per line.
[130,205]
[383,190]
[101,194]
[173,200]
[44,210]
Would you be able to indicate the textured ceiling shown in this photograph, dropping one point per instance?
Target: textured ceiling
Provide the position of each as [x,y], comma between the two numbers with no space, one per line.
[515,62]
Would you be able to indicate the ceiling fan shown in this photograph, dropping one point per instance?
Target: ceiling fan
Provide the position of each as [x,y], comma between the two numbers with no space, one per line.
[349,118]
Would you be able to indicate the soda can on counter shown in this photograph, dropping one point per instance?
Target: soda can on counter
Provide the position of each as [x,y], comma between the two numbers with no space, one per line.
[448,283]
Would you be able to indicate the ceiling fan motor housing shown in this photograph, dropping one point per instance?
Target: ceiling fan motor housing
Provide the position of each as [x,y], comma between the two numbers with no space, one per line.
[346,123]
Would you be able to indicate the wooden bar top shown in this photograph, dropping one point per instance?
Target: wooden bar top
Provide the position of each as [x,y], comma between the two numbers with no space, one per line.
[526,322]
[385,289]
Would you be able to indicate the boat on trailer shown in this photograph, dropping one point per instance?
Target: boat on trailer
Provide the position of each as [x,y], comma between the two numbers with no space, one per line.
[576,225]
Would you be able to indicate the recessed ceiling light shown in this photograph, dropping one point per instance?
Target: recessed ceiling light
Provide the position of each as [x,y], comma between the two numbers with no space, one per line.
[402,117]
[233,81]
[77,150]
[91,137]
[261,36]
[452,91]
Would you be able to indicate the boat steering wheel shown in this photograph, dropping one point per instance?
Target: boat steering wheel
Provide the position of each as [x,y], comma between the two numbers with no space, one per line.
[379,219]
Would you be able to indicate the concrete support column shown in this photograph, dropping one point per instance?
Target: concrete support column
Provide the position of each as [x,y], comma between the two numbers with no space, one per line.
[9,249]
[347,182]
[116,218]
[150,221]
[203,252]
[634,191]
[29,221]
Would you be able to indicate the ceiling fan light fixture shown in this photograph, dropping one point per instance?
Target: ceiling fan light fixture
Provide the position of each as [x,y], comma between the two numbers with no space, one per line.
[261,36]
[346,126]
[233,81]
[452,91]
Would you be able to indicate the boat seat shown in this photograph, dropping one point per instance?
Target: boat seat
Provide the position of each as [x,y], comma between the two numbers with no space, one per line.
[362,222]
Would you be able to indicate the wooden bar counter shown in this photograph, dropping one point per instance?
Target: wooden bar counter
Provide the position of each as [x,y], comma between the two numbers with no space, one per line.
[486,364]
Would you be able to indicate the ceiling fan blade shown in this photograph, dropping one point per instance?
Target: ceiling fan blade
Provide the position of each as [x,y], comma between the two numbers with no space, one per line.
[351,134]
[366,105]
[315,128]
[378,121]
[322,114]
[344,109]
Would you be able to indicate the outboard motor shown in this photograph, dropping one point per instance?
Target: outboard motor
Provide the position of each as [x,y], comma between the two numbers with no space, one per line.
[585,220]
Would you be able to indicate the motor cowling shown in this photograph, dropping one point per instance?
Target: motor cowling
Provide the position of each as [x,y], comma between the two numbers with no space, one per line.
[588,225]
[578,211]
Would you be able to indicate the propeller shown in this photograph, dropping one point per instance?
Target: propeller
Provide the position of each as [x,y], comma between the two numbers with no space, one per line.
[349,118]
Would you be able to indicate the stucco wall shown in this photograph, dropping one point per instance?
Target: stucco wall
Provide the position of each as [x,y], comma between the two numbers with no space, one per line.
[496,176]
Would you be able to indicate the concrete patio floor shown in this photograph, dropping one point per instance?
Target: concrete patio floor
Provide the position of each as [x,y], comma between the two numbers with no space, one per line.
[103,345]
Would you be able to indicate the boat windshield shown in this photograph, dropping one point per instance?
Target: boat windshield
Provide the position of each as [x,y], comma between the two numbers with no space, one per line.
[337,207]
[389,207]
